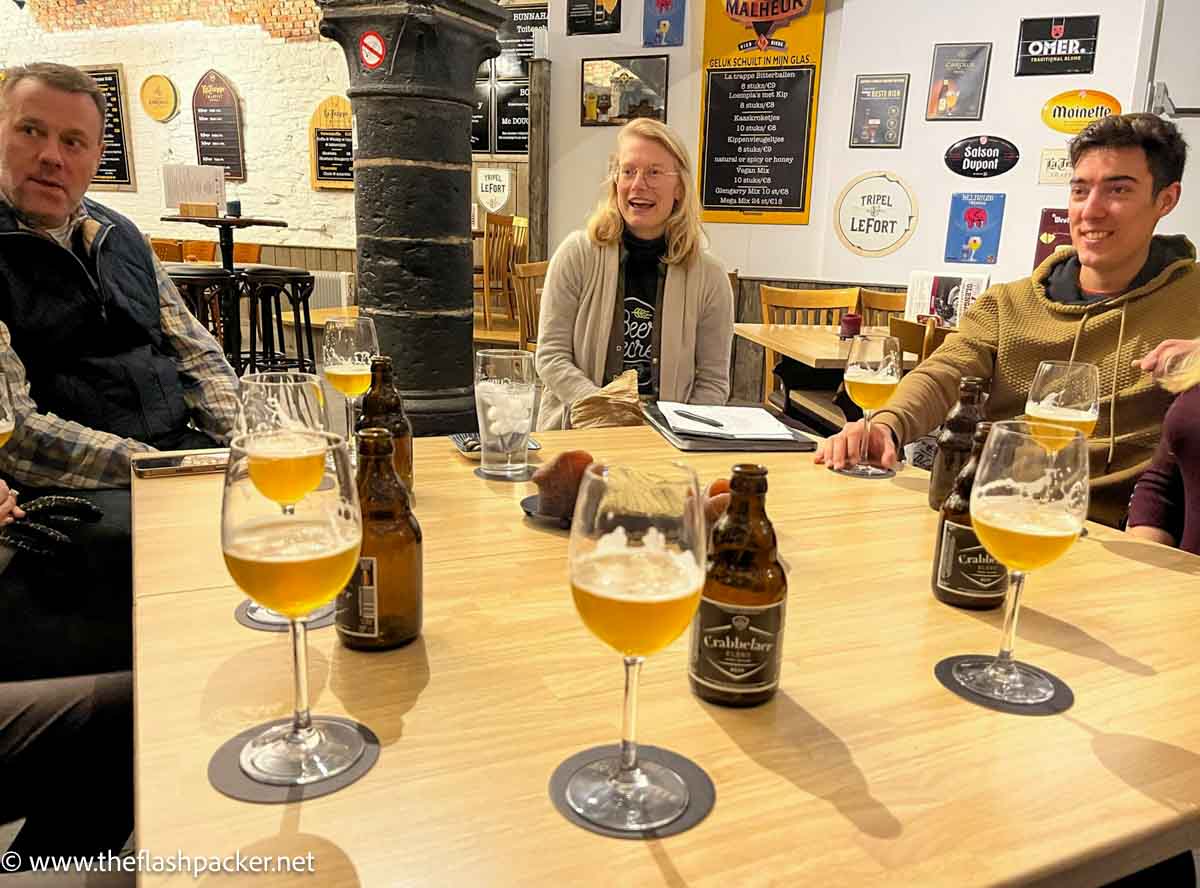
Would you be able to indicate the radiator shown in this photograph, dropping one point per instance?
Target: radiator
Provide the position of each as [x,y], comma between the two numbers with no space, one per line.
[332,289]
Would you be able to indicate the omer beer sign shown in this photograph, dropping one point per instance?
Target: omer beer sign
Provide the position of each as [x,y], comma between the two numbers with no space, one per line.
[1071,112]
[875,214]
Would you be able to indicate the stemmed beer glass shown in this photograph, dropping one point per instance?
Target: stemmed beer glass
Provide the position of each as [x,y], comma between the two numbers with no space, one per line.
[636,560]
[293,560]
[1064,393]
[1028,505]
[873,369]
[349,346]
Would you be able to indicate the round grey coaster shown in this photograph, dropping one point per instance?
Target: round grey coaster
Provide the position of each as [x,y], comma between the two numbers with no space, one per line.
[242,616]
[529,506]
[1063,699]
[703,795]
[524,476]
[226,775]
[880,474]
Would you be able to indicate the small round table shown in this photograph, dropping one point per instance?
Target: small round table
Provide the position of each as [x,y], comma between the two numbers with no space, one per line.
[226,224]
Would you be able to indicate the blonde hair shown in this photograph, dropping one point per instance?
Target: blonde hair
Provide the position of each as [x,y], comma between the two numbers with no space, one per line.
[1186,376]
[684,234]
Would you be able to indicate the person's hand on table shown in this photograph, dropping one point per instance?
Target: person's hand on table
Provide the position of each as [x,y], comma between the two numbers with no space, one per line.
[8,505]
[1167,357]
[843,449]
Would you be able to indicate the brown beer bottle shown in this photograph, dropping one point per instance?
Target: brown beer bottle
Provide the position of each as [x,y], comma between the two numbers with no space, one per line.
[383,408]
[381,605]
[737,633]
[964,573]
[954,442]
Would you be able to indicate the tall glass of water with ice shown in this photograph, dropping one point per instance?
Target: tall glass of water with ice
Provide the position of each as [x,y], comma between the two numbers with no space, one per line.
[504,391]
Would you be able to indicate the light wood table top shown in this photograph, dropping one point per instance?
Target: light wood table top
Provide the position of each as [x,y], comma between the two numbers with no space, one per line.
[505,335]
[818,347]
[862,771]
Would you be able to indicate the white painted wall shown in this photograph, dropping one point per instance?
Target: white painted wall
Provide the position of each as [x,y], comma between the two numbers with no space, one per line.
[280,85]
[865,36]
[1178,66]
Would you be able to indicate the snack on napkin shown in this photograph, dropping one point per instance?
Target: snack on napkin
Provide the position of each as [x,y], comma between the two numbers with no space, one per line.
[558,482]
[614,405]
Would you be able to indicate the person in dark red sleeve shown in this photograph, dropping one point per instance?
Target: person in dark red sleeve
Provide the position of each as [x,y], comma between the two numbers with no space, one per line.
[1165,506]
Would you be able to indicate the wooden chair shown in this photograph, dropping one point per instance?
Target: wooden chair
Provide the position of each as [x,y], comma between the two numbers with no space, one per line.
[921,339]
[520,255]
[878,307]
[781,305]
[527,282]
[167,250]
[247,254]
[497,261]
[199,251]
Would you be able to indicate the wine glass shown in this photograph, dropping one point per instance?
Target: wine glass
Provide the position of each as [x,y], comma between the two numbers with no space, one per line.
[1064,393]
[349,345]
[273,405]
[293,562]
[872,374]
[1028,505]
[636,560]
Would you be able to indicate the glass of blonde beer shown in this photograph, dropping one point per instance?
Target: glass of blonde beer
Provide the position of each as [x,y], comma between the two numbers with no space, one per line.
[1064,393]
[1028,506]
[349,345]
[636,562]
[293,561]
[285,468]
[873,369]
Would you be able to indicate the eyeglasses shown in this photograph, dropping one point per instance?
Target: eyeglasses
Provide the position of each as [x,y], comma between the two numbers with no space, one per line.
[651,175]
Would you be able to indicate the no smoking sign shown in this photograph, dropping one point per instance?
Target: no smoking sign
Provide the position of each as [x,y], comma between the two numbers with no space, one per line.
[371,50]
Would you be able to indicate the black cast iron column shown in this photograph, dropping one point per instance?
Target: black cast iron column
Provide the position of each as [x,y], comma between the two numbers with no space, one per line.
[412,79]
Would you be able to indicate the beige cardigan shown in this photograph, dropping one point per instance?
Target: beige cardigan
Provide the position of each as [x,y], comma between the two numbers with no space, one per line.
[578,301]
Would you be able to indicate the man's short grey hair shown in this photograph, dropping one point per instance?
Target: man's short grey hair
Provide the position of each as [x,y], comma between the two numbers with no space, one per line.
[62,77]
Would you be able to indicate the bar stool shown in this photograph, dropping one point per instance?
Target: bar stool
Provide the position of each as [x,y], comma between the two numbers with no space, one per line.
[211,294]
[265,286]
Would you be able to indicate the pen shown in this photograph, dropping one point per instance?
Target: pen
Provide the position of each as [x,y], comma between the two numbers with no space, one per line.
[703,419]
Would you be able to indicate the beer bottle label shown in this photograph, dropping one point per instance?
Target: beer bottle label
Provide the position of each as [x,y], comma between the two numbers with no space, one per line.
[736,648]
[358,604]
[966,568]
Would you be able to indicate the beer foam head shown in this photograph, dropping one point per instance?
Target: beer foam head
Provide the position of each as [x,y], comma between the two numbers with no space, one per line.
[648,572]
[885,375]
[1048,408]
[284,443]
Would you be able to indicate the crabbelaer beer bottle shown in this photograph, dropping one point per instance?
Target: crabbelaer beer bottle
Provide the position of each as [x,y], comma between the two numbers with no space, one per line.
[381,605]
[964,573]
[954,442]
[383,408]
[737,634]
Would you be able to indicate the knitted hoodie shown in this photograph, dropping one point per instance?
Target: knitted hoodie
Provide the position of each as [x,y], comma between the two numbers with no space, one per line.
[1015,326]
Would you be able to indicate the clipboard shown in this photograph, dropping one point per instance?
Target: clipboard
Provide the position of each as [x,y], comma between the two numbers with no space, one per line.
[801,441]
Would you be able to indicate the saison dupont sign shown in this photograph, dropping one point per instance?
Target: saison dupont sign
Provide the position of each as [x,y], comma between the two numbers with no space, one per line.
[1070,112]
[981,157]
[1059,45]
[875,214]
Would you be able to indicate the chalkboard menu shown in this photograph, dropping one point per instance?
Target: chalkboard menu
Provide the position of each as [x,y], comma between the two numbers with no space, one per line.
[516,41]
[331,144]
[116,163]
[756,139]
[512,118]
[481,119]
[218,122]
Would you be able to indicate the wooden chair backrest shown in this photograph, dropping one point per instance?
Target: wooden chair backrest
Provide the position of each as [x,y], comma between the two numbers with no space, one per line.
[528,278]
[823,308]
[921,339]
[878,307]
[520,249]
[497,260]
[250,254]
[199,251]
[167,250]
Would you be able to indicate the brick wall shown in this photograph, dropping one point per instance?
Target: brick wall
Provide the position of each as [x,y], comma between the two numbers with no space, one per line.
[289,19]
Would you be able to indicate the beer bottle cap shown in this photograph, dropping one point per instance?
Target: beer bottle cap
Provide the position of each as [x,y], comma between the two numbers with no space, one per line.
[970,382]
[374,442]
[748,478]
[381,361]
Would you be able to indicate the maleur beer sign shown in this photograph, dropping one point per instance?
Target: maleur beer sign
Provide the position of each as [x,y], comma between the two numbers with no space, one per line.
[1070,112]
[981,157]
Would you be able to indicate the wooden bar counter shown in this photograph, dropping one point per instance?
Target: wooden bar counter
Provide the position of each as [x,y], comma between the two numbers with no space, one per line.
[862,771]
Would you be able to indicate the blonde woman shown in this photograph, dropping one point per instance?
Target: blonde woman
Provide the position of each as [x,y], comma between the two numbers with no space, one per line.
[637,290]
[1165,506]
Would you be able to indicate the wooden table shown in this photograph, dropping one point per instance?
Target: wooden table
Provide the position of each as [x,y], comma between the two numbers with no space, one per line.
[225,226]
[507,335]
[862,771]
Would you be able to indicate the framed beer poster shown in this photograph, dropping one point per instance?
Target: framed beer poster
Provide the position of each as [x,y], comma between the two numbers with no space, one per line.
[880,101]
[115,172]
[331,145]
[614,91]
[593,17]
[958,81]
[758,109]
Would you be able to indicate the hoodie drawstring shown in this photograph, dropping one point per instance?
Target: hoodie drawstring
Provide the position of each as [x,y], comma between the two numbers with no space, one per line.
[1112,399]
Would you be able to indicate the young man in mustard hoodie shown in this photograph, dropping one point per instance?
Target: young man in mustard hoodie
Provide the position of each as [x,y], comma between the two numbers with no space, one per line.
[1109,300]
